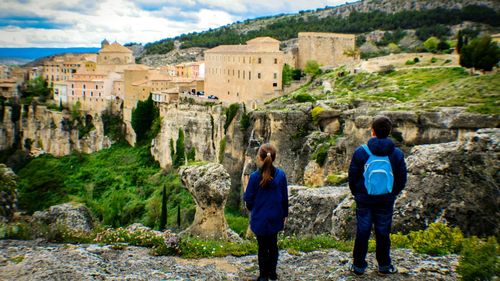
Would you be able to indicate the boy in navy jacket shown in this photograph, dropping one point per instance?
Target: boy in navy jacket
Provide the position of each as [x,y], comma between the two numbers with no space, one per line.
[375,209]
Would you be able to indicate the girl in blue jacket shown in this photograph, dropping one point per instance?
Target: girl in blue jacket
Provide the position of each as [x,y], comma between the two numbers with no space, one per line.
[266,196]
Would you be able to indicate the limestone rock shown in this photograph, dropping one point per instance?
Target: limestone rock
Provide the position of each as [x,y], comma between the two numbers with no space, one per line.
[68,216]
[8,193]
[455,182]
[310,210]
[313,175]
[209,185]
[344,219]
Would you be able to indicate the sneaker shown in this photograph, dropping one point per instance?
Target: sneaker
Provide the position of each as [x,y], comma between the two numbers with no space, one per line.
[356,270]
[389,269]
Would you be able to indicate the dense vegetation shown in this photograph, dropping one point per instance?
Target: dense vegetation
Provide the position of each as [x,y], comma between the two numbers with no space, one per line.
[427,22]
[128,192]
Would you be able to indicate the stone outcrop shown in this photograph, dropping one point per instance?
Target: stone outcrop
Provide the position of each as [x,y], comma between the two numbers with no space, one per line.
[310,209]
[209,184]
[31,260]
[65,217]
[456,182]
[8,193]
[173,57]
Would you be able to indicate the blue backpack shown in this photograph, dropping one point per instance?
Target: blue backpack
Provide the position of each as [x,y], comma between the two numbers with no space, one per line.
[378,174]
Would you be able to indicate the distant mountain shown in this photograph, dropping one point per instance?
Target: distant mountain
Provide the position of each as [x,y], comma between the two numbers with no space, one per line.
[23,55]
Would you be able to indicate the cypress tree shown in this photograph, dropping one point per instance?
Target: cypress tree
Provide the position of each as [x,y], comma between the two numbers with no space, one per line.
[460,42]
[179,216]
[180,157]
[163,218]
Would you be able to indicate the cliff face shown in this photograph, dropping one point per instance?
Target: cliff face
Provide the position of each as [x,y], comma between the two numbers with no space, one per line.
[203,128]
[50,131]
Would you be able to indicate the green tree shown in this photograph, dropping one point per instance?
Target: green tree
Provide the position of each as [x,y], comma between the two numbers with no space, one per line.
[163,218]
[481,53]
[180,157]
[312,67]
[460,42]
[431,44]
[37,87]
[142,118]
[191,155]
[287,74]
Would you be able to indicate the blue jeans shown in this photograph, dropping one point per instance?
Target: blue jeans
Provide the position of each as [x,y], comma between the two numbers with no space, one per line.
[381,216]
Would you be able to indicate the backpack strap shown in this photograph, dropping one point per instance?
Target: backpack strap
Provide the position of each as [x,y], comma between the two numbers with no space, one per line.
[367,150]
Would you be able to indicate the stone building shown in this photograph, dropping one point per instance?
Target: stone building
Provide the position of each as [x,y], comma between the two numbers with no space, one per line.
[247,73]
[328,49]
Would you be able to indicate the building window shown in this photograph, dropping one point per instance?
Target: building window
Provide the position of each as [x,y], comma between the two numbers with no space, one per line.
[275,75]
[84,86]
[72,86]
[249,75]
[258,75]
[91,93]
[99,94]
[275,84]
[228,93]
[238,74]
[260,60]
[275,61]
[96,87]
[72,93]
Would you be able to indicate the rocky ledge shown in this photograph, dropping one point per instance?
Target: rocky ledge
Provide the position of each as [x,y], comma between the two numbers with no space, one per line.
[35,260]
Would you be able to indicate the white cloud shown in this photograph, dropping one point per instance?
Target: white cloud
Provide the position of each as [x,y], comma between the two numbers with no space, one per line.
[85,23]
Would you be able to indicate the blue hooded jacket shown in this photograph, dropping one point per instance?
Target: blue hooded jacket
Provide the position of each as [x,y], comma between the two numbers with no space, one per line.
[379,147]
[268,205]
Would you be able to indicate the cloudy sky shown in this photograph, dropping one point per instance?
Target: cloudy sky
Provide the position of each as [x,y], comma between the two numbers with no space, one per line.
[84,23]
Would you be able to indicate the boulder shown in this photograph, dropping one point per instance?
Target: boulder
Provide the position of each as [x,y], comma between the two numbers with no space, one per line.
[209,185]
[65,217]
[456,183]
[310,209]
[8,193]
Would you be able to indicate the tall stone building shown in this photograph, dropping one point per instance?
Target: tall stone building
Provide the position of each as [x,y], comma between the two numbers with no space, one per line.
[248,73]
[325,48]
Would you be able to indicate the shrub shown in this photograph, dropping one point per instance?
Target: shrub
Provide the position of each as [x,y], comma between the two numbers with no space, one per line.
[437,239]
[308,244]
[416,60]
[304,98]
[237,223]
[431,44]
[230,114]
[433,60]
[479,259]
[320,154]
[113,125]
[191,155]
[315,112]
[410,62]
[481,53]
[312,68]
[244,120]
[222,149]
[336,179]
[180,157]
[162,243]
[143,116]
[16,230]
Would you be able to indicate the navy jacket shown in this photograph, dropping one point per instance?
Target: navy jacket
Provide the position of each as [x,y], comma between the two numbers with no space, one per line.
[379,147]
[268,205]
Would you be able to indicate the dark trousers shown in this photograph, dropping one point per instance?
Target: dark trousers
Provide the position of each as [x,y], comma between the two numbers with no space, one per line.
[381,217]
[268,255]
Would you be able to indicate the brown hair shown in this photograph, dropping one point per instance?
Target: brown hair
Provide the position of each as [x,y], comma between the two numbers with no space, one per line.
[267,154]
[382,126]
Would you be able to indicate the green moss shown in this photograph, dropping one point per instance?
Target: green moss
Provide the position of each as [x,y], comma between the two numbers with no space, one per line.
[315,112]
[16,259]
[336,179]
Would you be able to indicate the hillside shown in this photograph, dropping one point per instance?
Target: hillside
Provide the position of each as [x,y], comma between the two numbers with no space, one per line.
[434,81]
[359,17]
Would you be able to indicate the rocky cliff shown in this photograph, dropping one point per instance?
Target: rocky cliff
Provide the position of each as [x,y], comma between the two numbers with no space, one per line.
[40,130]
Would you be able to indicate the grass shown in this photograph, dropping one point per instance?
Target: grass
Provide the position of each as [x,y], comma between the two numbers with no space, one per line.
[425,88]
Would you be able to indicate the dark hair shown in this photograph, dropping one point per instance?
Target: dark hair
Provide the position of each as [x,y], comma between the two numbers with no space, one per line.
[267,154]
[382,126]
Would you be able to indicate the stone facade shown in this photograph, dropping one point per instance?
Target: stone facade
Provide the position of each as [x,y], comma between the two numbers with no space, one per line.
[328,49]
[247,73]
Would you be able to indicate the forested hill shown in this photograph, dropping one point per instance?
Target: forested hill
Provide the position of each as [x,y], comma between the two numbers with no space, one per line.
[359,17]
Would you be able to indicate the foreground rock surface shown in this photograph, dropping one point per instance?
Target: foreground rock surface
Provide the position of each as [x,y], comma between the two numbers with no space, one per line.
[32,260]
